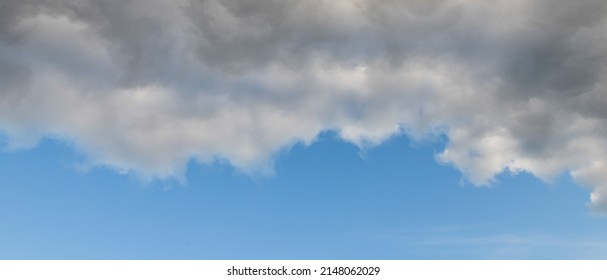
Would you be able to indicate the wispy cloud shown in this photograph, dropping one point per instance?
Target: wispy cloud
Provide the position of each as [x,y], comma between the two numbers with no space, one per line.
[486,242]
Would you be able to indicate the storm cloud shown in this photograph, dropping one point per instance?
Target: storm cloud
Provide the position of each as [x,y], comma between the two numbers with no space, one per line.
[146,86]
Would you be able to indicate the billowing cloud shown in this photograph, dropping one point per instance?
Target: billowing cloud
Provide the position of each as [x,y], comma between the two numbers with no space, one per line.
[145,86]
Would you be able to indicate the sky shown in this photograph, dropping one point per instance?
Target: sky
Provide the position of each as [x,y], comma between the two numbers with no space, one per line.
[303,129]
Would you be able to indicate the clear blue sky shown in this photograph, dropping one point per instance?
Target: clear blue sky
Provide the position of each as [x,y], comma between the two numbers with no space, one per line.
[325,201]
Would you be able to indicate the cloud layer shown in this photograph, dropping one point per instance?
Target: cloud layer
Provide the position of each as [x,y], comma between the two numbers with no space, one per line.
[146,86]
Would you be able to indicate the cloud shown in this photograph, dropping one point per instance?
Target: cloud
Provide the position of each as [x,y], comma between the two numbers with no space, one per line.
[486,241]
[146,86]
[489,243]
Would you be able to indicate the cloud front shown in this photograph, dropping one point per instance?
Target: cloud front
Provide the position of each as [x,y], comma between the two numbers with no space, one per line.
[146,86]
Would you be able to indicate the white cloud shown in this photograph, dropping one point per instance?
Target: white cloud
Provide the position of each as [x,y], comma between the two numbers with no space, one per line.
[146,86]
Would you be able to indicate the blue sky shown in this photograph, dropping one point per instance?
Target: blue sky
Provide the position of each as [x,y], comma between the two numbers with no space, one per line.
[326,201]
[303,129]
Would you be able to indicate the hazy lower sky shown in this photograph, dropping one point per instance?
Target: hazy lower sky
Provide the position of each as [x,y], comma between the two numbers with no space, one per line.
[303,129]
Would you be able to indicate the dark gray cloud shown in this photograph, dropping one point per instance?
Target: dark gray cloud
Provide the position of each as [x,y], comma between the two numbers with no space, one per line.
[145,86]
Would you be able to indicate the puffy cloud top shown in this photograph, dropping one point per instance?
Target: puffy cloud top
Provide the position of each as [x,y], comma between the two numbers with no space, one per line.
[146,85]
